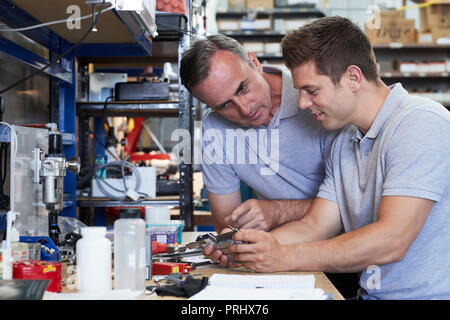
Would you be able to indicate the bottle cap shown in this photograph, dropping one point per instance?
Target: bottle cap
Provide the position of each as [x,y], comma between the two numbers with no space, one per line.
[130,213]
[93,231]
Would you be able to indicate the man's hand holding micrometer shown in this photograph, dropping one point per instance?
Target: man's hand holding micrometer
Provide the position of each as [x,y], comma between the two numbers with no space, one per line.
[219,250]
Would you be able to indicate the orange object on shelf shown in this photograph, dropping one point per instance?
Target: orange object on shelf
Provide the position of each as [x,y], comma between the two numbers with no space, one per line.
[142,156]
[114,211]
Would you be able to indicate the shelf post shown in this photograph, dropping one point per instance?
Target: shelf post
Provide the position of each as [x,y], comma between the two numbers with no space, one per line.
[186,122]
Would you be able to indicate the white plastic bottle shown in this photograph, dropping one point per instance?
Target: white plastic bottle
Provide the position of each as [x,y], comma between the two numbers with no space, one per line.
[129,251]
[94,261]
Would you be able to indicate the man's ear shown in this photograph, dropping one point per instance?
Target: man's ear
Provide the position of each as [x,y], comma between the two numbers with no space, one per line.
[254,61]
[354,77]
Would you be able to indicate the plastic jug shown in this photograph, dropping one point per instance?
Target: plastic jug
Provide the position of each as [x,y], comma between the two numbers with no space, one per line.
[129,251]
[94,261]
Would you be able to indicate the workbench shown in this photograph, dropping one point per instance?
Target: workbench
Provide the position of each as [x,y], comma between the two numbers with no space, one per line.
[321,281]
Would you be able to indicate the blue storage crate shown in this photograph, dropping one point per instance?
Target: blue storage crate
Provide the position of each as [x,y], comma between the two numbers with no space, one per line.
[46,241]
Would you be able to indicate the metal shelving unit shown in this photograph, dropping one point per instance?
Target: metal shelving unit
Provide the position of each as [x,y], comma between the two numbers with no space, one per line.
[164,201]
[180,109]
[244,35]
[274,12]
[427,83]
[61,79]
[130,108]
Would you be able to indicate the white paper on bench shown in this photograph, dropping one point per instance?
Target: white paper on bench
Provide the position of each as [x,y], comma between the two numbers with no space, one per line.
[263,281]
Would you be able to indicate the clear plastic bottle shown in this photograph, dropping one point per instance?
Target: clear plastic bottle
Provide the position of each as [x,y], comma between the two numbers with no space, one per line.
[94,261]
[129,251]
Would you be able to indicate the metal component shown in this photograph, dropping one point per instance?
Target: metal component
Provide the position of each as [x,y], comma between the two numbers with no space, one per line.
[176,255]
[150,290]
[101,85]
[221,242]
[158,278]
[51,172]
[36,164]
[73,165]
[174,279]
[33,60]
[91,2]
[113,203]
[139,19]
[185,120]
[121,108]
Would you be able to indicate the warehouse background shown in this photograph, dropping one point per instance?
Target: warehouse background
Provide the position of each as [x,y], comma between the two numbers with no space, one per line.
[411,45]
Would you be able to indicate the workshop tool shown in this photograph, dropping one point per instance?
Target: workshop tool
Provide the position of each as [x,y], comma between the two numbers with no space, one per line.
[176,277]
[187,288]
[51,172]
[221,241]
[177,254]
[166,268]
[161,247]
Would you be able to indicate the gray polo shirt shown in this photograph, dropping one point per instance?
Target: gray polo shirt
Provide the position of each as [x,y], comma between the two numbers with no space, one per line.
[284,160]
[406,152]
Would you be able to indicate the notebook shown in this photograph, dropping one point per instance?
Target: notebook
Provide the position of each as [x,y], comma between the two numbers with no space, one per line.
[261,287]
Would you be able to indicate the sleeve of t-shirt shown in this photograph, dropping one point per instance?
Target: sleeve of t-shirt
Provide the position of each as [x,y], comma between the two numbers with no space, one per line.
[218,175]
[327,141]
[417,157]
[327,189]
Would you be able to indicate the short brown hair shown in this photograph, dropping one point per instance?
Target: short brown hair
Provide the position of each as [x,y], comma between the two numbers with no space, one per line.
[333,43]
[195,66]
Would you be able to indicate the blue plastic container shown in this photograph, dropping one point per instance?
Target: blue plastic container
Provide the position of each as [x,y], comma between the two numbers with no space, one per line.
[46,241]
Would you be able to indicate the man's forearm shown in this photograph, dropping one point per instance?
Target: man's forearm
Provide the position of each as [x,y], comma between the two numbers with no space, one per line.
[290,210]
[349,252]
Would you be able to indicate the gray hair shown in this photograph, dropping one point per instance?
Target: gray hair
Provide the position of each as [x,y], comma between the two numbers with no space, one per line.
[195,66]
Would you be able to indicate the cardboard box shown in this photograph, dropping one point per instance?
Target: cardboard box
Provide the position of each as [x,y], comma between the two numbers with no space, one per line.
[278,25]
[386,65]
[292,24]
[425,37]
[440,33]
[236,4]
[393,28]
[272,48]
[263,24]
[256,47]
[228,25]
[264,4]
[257,24]
[388,14]
[385,17]
[436,16]
[432,36]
